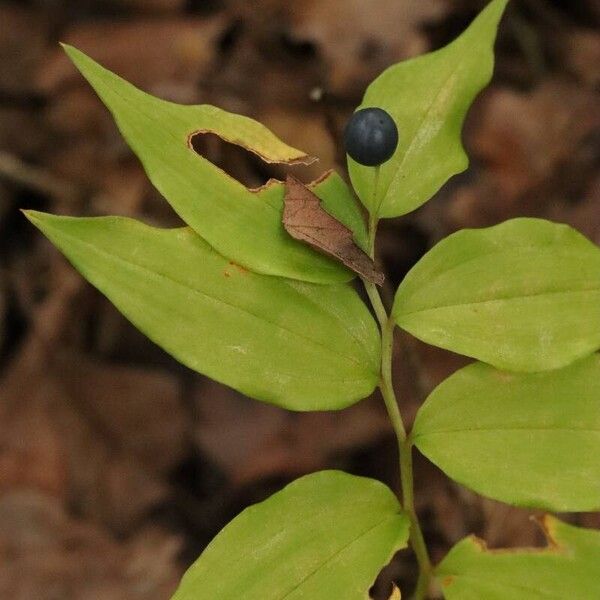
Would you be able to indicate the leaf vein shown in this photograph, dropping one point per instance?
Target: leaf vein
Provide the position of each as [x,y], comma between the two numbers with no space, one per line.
[500,299]
[334,351]
[336,554]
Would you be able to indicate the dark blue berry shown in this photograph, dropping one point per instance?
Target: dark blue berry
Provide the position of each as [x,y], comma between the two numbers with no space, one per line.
[371,136]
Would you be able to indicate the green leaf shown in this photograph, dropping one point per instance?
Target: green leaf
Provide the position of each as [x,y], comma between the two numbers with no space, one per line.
[325,536]
[567,568]
[239,223]
[298,345]
[523,295]
[527,439]
[428,97]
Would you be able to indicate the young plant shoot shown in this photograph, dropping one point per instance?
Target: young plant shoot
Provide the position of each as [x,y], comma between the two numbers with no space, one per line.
[287,326]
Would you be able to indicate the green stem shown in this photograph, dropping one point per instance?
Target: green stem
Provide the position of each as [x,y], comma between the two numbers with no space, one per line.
[404,443]
[416,534]
[386,386]
[405,456]
[373,214]
[376,303]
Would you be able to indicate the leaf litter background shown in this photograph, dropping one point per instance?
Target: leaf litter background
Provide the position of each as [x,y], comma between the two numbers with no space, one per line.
[117,465]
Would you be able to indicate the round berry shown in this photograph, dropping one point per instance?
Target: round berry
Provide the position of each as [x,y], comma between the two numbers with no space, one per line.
[371,136]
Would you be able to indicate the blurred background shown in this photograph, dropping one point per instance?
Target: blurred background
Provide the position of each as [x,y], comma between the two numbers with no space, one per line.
[117,465]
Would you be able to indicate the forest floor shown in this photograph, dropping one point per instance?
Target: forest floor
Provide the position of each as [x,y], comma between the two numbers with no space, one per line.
[117,465]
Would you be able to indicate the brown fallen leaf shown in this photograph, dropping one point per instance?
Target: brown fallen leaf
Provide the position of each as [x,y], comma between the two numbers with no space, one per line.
[306,220]
[250,441]
[181,53]
[48,553]
[356,40]
[24,34]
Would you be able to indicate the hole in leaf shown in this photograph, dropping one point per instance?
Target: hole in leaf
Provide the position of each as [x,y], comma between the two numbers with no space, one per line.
[238,162]
[394,573]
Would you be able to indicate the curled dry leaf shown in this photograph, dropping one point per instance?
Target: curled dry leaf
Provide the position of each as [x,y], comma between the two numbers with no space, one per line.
[357,39]
[306,220]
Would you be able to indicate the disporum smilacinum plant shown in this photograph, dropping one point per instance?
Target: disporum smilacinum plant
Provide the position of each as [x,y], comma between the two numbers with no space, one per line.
[520,425]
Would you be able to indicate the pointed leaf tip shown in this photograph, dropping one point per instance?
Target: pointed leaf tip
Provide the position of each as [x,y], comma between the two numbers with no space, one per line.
[428,98]
[264,336]
[241,224]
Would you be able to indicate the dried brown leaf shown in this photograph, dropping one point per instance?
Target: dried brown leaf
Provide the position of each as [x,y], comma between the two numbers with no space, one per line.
[536,148]
[166,57]
[98,436]
[306,220]
[23,36]
[47,554]
[359,39]
[250,441]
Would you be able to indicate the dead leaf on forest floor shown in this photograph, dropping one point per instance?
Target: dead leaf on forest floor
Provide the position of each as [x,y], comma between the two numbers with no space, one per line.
[250,441]
[23,36]
[166,57]
[306,220]
[535,148]
[100,437]
[358,39]
[47,555]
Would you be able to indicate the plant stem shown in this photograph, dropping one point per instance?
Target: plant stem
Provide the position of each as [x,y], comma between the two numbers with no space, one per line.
[405,457]
[416,534]
[387,325]
[373,214]
[376,303]
[386,386]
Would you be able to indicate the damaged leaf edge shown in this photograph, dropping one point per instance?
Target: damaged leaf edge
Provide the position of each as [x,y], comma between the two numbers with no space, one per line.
[296,156]
[547,523]
[301,159]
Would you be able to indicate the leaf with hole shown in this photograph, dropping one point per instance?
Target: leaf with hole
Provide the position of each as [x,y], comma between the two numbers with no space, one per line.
[428,98]
[566,568]
[529,439]
[523,295]
[324,536]
[239,223]
[298,345]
